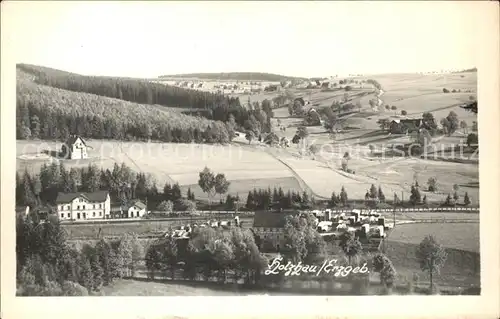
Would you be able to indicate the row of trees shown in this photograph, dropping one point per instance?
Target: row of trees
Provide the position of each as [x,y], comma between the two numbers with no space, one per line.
[48,266]
[278,199]
[208,253]
[122,182]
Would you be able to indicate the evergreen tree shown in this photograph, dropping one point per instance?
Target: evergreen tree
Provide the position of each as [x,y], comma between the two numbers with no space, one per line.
[373,192]
[343,196]
[466,199]
[381,195]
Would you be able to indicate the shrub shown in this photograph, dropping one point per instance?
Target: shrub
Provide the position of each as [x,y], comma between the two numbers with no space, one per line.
[445,90]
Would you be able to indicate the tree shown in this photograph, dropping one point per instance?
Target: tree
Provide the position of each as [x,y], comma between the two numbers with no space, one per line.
[381,195]
[472,98]
[302,132]
[431,256]
[463,126]
[466,199]
[404,113]
[207,183]
[449,201]
[343,196]
[383,265]
[415,196]
[472,140]
[394,108]
[373,192]
[445,90]
[456,197]
[432,184]
[221,185]
[474,126]
[453,123]
[250,136]
[387,107]
[166,206]
[334,200]
[351,246]
[176,193]
[428,121]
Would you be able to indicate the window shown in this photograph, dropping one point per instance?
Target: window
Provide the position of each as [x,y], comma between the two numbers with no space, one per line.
[68,215]
[83,206]
[78,216]
[84,215]
[78,207]
[93,214]
[67,208]
[100,213]
[62,215]
[100,205]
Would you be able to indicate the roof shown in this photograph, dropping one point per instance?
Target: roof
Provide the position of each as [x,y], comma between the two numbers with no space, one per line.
[73,138]
[270,219]
[138,204]
[99,196]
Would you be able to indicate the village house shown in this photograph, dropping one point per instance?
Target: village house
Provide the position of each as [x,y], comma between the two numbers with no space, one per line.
[82,206]
[75,148]
[132,209]
[269,227]
[405,126]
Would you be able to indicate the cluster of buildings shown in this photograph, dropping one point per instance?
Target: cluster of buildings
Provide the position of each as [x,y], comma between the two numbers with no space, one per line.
[270,225]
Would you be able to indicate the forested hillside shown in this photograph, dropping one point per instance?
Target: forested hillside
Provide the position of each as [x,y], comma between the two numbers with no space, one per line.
[53,104]
[236,76]
[133,90]
[50,113]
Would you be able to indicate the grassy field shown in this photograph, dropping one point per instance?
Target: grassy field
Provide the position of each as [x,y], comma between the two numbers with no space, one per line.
[461,236]
[461,241]
[461,269]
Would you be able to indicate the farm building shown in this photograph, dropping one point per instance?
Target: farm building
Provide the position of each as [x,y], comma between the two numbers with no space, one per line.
[82,206]
[75,148]
[405,126]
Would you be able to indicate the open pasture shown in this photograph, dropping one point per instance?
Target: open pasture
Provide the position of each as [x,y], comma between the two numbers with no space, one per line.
[461,236]
[246,166]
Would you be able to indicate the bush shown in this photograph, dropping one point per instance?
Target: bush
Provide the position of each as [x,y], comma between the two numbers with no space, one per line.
[445,90]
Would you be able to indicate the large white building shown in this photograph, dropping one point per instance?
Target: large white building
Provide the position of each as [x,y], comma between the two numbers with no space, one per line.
[82,206]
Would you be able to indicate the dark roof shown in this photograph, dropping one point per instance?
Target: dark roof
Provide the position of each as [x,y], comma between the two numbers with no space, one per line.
[271,219]
[471,107]
[72,139]
[99,196]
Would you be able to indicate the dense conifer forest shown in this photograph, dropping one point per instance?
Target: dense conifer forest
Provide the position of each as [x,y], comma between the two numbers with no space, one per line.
[53,104]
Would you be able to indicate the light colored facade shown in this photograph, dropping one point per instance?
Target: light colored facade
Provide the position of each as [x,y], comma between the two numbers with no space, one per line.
[75,148]
[83,206]
[136,210]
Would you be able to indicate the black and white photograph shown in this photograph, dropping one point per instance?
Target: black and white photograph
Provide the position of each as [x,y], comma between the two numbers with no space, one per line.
[246,149]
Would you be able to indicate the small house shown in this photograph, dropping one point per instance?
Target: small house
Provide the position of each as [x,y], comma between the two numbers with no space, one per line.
[136,209]
[75,148]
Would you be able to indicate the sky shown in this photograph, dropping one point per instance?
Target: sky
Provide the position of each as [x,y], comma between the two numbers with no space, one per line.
[148,39]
